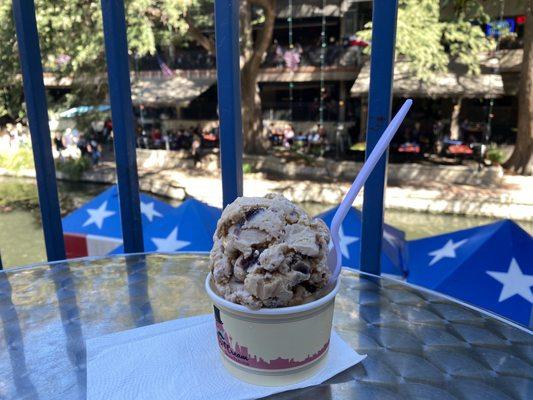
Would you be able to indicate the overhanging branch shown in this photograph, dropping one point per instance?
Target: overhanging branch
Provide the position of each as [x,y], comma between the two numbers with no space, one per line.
[203,40]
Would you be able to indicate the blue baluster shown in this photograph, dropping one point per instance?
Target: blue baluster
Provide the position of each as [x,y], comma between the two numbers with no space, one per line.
[118,73]
[37,110]
[229,97]
[379,110]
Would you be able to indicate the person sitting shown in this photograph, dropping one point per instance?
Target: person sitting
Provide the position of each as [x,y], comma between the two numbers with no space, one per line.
[288,136]
[318,141]
[156,138]
[58,143]
[274,135]
[94,150]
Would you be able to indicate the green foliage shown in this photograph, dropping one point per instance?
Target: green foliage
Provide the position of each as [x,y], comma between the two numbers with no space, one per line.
[429,44]
[73,168]
[495,155]
[71,39]
[17,160]
[361,146]
[247,168]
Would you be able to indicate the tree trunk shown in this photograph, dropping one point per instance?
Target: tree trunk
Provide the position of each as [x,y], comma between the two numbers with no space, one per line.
[255,141]
[519,160]
[454,123]
[252,119]
[251,59]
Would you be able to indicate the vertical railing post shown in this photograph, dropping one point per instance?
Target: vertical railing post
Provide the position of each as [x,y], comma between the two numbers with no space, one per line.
[379,109]
[229,97]
[37,111]
[118,74]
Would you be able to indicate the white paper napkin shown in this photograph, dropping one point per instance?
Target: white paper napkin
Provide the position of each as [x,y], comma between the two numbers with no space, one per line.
[180,360]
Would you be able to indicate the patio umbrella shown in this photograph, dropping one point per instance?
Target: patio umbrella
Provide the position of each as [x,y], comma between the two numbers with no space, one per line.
[95,229]
[189,227]
[76,111]
[393,246]
[490,266]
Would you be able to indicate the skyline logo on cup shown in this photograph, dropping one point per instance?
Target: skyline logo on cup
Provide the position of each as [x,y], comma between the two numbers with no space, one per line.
[241,355]
[273,346]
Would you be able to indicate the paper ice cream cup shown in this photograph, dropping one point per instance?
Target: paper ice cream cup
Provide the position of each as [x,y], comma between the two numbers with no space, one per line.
[273,346]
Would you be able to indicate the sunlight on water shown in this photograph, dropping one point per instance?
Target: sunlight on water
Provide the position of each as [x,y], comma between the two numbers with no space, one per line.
[417,224]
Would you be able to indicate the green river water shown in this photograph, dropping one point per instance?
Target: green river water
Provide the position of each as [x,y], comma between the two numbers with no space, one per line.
[21,237]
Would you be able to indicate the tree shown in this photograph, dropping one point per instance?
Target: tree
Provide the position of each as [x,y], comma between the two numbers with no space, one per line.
[253,52]
[71,39]
[521,156]
[429,44]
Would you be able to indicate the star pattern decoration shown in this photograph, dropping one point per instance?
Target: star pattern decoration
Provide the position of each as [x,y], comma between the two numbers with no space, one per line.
[389,237]
[447,251]
[514,282]
[345,241]
[149,211]
[170,243]
[98,215]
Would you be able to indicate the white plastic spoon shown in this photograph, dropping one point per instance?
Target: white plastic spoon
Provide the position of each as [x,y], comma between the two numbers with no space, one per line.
[334,255]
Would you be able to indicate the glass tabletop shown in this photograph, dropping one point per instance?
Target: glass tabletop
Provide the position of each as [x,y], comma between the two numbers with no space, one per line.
[419,345]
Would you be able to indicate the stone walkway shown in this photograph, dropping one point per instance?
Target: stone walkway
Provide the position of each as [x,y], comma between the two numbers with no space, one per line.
[513,198]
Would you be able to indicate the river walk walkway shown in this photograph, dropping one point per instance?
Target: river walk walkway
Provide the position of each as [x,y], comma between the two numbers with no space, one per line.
[513,198]
[458,190]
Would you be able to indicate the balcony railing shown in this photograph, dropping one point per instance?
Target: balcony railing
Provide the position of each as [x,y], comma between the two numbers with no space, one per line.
[227,51]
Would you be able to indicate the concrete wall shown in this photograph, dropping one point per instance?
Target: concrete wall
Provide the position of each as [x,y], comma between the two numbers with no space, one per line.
[326,170]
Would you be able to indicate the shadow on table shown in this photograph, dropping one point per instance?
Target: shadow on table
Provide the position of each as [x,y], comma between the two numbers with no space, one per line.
[14,342]
[350,383]
[140,305]
[70,319]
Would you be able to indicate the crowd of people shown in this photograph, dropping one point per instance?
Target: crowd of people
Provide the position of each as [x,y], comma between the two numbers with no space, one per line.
[92,144]
[70,143]
[73,143]
[427,135]
[14,136]
[313,141]
[191,138]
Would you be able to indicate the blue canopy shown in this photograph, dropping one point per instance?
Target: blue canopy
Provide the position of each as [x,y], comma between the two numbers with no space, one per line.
[393,247]
[101,215]
[74,112]
[490,266]
[189,227]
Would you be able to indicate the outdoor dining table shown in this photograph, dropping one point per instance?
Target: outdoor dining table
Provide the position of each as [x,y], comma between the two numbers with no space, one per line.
[419,344]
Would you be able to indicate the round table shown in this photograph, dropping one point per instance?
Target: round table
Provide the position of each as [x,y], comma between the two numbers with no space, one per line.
[419,345]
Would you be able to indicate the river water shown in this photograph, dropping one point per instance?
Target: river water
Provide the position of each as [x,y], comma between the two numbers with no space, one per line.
[21,237]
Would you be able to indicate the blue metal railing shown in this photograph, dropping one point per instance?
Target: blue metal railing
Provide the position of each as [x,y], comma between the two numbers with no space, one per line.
[37,110]
[229,97]
[118,75]
[229,100]
[384,14]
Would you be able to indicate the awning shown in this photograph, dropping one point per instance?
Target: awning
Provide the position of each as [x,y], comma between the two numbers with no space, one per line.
[454,83]
[80,110]
[170,91]
[307,74]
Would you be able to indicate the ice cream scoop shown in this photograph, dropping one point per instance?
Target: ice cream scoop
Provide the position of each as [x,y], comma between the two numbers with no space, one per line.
[334,259]
[267,252]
